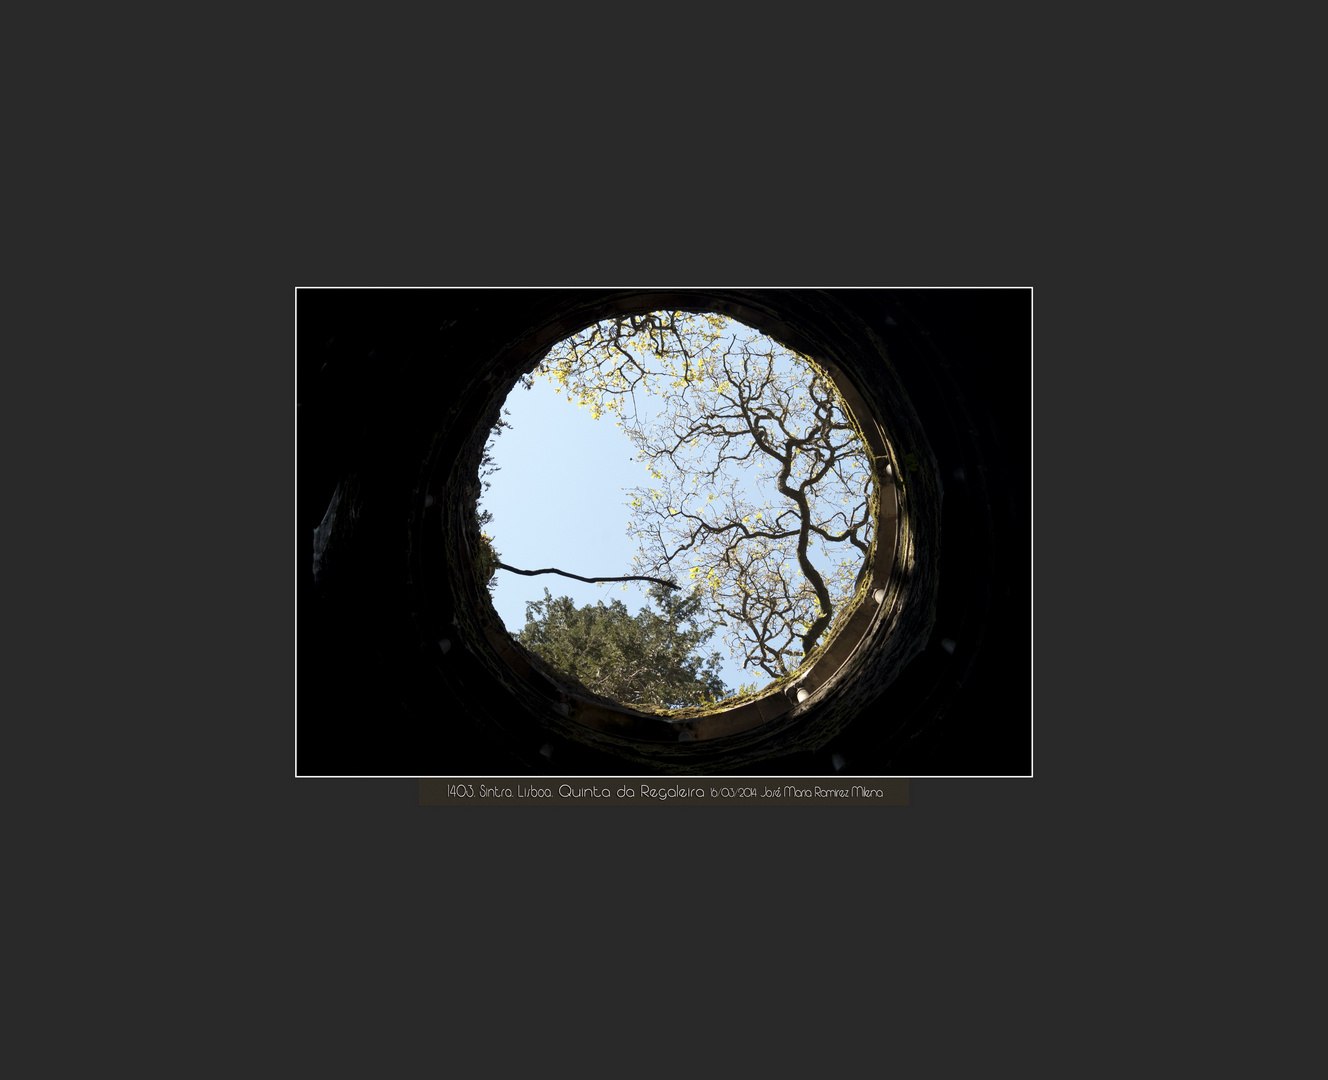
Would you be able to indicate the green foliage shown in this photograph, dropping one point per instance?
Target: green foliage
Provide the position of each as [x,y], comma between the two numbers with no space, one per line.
[487,556]
[650,658]
[488,468]
[486,560]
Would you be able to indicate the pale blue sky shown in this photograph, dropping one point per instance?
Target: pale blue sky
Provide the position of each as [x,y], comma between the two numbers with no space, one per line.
[560,500]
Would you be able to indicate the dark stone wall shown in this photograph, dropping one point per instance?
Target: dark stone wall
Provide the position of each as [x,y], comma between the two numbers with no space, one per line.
[399,670]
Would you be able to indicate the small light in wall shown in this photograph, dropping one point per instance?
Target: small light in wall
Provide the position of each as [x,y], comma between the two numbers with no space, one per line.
[959,473]
[803,695]
[879,596]
[428,500]
[444,644]
[889,469]
[837,760]
[685,736]
[948,644]
[546,751]
[561,708]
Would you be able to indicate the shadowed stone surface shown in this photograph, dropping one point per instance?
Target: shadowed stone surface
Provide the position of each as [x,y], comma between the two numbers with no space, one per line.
[400,389]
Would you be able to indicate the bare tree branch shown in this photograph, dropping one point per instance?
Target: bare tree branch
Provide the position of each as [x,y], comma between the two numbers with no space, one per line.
[760,483]
[590,580]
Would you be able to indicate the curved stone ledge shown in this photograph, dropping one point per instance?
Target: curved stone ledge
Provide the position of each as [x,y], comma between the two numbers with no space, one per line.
[413,635]
[772,724]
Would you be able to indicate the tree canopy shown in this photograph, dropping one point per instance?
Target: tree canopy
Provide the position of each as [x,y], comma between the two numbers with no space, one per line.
[761,488]
[651,658]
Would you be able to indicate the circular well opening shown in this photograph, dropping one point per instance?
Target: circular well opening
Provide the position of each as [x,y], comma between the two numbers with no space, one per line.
[798,709]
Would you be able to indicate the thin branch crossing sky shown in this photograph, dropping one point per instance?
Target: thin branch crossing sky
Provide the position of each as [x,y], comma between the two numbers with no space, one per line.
[560,500]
